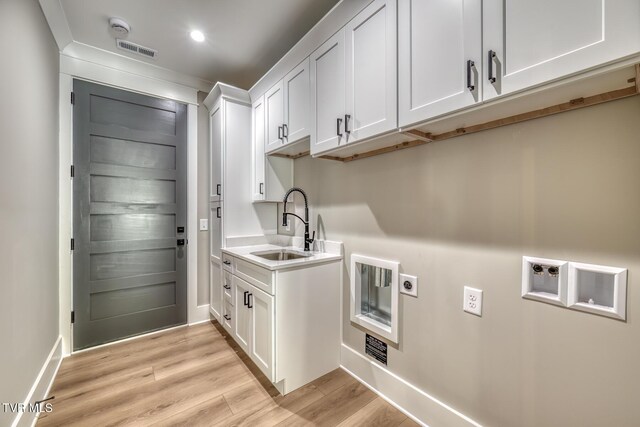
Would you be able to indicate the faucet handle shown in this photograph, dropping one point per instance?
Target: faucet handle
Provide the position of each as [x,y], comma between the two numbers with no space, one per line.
[313,237]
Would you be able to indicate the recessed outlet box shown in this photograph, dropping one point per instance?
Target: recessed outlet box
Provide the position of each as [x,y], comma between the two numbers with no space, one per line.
[374,295]
[545,280]
[472,302]
[409,285]
[598,289]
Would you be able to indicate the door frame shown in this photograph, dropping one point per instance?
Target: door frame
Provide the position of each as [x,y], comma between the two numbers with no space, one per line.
[73,68]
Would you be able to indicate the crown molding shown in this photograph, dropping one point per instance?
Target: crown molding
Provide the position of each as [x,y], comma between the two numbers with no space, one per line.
[57,20]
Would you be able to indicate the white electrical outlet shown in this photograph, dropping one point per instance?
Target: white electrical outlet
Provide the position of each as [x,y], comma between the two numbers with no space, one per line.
[409,285]
[204,224]
[472,301]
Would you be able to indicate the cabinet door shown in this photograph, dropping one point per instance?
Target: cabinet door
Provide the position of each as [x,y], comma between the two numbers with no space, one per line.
[436,41]
[215,289]
[215,231]
[327,94]
[538,41]
[258,138]
[371,61]
[262,331]
[296,103]
[215,154]
[274,117]
[215,243]
[242,323]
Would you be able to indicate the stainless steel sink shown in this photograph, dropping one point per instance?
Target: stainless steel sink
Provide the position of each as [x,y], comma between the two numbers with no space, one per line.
[281,255]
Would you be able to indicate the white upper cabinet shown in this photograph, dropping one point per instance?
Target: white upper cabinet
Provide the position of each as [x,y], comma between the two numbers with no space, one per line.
[527,43]
[274,117]
[215,152]
[296,103]
[353,80]
[272,176]
[286,107]
[327,95]
[258,141]
[439,57]
[371,63]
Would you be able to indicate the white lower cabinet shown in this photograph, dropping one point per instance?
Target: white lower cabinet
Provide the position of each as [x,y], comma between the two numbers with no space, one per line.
[242,328]
[286,321]
[253,328]
[262,331]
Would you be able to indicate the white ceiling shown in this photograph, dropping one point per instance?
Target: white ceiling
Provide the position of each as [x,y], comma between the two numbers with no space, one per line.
[244,38]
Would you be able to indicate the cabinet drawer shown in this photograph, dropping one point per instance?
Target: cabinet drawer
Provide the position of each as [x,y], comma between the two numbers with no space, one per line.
[227,289]
[227,316]
[260,277]
[227,262]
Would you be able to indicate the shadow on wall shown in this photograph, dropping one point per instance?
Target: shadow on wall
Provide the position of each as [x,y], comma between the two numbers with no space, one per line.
[564,181]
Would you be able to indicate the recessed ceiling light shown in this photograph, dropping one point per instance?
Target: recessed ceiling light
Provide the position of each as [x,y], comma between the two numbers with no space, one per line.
[197,35]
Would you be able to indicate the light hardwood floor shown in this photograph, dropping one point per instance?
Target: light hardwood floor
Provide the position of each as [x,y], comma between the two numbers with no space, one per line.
[197,376]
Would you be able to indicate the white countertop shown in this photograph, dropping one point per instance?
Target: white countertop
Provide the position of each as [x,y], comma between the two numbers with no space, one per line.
[245,253]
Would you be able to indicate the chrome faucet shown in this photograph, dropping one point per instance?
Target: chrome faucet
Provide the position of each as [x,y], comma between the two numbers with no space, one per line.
[307,240]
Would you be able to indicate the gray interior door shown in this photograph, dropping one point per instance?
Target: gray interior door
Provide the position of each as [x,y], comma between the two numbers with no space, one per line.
[129,214]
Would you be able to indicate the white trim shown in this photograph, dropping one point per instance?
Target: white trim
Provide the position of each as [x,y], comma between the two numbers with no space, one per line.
[65,212]
[71,68]
[194,313]
[133,66]
[59,25]
[57,20]
[110,76]
[409,399]
[42,385]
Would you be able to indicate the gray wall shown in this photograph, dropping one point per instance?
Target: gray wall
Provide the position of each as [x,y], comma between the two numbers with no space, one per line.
[464,212]
[29,197]
[203,199]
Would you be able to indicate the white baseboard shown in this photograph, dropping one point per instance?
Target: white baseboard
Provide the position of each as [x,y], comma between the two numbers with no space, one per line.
[199,315]
[415,403]
[42,385]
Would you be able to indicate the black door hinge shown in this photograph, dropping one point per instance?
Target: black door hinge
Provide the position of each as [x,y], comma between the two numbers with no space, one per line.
[73,244]
[73,171]
[73,317]
[73,98]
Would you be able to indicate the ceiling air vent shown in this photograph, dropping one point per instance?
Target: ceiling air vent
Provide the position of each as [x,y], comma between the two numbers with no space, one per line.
[136,48]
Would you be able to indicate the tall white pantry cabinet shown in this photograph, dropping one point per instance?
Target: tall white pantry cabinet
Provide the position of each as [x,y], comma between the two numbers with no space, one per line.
[231,210]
